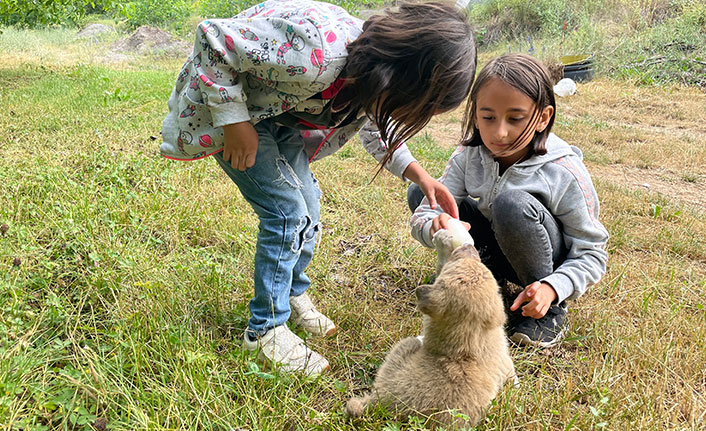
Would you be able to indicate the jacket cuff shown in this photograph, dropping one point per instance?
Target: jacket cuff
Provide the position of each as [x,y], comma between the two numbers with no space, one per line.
[426,234]
[399,162]
[562,285]
[229,113]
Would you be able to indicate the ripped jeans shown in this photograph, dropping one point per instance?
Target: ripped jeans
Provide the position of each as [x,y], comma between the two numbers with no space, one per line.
[282,190]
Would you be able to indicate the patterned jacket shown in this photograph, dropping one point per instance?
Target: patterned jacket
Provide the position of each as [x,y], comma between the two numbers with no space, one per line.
[269,59]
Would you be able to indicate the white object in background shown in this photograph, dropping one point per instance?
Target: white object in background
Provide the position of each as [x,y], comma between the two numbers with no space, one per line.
[459,233]
[462,4]
[565,87]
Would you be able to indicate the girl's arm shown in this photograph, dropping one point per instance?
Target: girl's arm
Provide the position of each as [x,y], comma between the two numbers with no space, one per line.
[432,189]
[240,145]
[404,165]
[575,204]
[454,180]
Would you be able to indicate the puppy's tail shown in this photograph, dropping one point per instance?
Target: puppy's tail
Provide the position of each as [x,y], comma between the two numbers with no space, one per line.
[356,406]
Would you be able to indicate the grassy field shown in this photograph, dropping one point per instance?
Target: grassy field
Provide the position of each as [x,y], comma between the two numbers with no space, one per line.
[125,277]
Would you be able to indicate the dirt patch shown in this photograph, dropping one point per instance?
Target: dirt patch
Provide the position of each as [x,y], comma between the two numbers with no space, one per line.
[688,191]
[148,40]
[94,31]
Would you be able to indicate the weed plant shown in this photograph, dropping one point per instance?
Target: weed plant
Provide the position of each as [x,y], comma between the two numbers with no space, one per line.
[651,42]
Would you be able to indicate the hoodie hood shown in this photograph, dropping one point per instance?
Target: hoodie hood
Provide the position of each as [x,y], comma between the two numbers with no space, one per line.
[556,149]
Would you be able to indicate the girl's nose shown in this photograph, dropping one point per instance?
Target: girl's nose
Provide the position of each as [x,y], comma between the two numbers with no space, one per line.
[500,131]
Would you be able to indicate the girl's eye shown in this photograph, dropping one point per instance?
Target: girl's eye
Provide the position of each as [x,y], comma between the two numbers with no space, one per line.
[516,119]
[488,118]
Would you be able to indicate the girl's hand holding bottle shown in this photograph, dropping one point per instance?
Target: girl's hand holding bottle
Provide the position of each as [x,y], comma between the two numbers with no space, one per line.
[442,222]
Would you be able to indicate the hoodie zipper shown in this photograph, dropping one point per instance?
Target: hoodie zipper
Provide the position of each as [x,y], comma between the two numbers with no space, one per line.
[498,181]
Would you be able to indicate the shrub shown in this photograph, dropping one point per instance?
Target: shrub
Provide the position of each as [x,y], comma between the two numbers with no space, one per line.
[228,8]
[222,8]
[36,13]
[516,19]
[170,13]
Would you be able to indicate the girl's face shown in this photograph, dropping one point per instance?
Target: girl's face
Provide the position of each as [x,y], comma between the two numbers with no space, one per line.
[502,114]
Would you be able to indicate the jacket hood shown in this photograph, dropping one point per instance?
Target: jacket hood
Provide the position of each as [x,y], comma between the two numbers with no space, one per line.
[556,149]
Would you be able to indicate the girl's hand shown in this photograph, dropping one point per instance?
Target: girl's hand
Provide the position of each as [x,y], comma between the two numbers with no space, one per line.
[240,145]
[441,222]
[538,296]
[437,192]
[432,189]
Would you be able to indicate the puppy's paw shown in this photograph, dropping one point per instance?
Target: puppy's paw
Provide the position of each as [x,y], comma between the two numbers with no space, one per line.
[355,407]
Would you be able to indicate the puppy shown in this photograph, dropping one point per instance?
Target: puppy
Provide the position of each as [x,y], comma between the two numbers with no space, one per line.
[463,361]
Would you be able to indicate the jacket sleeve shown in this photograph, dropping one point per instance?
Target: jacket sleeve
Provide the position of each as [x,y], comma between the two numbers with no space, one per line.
[575,204]
[230,52]
[454,179]
[373,144]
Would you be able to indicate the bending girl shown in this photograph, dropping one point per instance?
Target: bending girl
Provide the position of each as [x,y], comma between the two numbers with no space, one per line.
[286,83]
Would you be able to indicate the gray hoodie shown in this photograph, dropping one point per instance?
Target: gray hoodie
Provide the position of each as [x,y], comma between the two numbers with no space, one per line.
[559,180]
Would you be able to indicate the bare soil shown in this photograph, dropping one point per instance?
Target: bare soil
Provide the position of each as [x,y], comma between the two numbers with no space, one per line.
[148,40]
[647,139]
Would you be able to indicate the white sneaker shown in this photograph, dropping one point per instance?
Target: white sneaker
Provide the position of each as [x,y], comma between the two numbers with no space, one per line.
[307,317]
[283,349]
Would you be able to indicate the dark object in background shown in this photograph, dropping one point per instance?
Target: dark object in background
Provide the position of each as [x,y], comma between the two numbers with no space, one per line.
[578,67]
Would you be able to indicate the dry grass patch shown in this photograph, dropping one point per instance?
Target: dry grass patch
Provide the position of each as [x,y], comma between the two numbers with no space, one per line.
[643,138]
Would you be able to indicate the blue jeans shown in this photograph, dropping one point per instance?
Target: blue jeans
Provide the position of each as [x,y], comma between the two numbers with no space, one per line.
[521,243]
[284,194]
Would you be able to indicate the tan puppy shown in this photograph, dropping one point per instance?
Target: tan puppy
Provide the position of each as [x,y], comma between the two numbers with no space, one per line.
[463,360]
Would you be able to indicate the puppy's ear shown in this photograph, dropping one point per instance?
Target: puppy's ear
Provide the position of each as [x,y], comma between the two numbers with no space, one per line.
[488,309]
[426,299]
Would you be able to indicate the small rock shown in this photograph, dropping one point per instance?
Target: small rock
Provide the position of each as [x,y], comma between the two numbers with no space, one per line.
[16,261]
[100,424]
[4,228]
[645,185]
[94,30]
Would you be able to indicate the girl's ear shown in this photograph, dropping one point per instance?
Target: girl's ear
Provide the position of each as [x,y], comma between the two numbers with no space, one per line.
[544,117]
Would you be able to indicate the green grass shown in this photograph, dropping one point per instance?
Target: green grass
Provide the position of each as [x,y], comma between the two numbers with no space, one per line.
[125,277]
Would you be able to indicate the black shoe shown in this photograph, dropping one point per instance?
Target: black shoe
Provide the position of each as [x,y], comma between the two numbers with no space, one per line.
[544,332]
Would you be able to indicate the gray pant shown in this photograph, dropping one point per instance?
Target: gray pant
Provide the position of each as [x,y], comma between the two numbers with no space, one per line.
[521,243]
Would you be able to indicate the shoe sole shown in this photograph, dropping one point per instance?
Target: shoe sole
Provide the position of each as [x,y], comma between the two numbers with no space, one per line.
[523,340]
[267,365]
[328,333]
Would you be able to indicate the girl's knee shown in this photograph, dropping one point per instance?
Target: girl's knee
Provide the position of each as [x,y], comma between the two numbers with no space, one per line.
[414,196]
[305,232]
[510,205]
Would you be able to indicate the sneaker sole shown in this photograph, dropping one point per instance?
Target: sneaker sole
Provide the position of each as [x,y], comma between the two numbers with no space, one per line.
[523,340]
[267,365]
[328,333]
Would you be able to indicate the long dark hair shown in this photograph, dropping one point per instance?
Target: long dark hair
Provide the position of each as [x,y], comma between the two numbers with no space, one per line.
[411,64]
[526,74]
